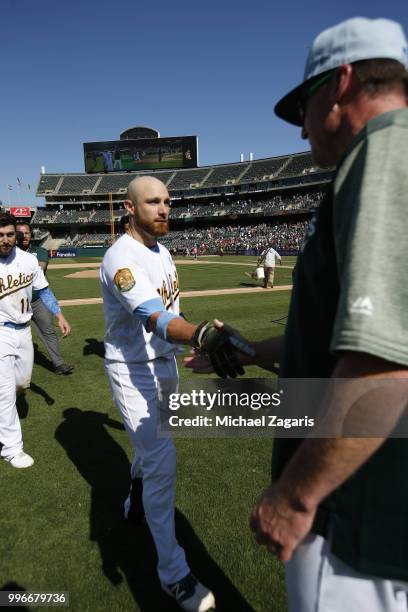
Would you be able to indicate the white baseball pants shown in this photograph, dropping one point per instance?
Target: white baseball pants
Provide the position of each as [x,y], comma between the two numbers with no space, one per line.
[16,365]
[318,581]
[140,391]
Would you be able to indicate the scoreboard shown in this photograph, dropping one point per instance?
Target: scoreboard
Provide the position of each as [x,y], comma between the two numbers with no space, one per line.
[141,154]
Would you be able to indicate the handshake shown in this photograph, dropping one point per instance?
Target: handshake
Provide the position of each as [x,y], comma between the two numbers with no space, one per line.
[221,344]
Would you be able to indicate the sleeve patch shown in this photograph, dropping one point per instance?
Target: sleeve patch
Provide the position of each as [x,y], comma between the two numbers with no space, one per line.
[124,280]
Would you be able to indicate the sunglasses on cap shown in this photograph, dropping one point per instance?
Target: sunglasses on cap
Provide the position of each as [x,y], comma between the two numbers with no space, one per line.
[314,87]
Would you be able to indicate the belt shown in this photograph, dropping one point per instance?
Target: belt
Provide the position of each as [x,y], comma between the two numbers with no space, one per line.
[15,325]
[321,522]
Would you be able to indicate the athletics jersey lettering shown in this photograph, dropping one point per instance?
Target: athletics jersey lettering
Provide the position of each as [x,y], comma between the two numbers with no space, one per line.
[169,297]
[19,275]
[10,283]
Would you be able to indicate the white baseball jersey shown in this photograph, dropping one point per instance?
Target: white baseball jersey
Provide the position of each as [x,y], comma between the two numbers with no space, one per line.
[19,275]
[132,274]
[270,257]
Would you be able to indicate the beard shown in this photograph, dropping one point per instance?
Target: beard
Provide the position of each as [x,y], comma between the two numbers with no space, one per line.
[153,228]
[5,251]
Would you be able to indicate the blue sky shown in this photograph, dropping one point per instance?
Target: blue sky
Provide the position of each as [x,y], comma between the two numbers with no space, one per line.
[84,71]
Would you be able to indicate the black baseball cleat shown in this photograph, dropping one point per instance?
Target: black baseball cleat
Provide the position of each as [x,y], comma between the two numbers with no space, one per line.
[133,506]
[191,595]
[64,369]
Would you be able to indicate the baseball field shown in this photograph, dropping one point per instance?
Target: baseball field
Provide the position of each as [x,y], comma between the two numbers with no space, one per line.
[62,525]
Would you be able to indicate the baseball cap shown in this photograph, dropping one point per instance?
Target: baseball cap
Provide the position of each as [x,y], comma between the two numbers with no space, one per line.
[350,41]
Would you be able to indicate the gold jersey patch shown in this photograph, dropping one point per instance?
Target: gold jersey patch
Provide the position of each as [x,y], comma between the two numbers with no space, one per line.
[124,280]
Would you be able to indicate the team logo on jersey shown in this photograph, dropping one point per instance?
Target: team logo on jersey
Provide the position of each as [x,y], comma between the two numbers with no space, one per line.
[124,280]
[11,284]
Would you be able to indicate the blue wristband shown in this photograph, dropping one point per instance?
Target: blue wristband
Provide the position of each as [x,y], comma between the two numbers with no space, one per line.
[145,310]
[162,322]
[49,300]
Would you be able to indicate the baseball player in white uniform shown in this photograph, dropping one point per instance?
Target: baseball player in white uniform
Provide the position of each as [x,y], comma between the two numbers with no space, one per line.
[19,274]
[268,258]
[141,305]
[140,290]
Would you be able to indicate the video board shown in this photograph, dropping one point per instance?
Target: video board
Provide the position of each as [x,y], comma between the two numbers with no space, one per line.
[141,154]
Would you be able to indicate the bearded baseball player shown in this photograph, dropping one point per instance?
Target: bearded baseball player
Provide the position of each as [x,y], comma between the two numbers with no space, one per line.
[141,305]
[19,275]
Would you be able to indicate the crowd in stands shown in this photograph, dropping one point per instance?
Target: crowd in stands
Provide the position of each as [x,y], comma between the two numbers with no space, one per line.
[231,239]
[102,240]
[72,216]
[237,239]
[306,201]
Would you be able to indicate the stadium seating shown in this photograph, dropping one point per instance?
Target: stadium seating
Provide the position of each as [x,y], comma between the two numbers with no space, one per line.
[103,216]
[221,174]
[48,182]
[184,179]
[265,168]
[269,196]
[72,216]
[236,238]
[42,215]
[93,240]
[114,182]
[76,184]
[291,202]
[299,165]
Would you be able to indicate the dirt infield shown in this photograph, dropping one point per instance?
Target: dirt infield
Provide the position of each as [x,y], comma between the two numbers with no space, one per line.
[185,294]
[178,262]
[94,273]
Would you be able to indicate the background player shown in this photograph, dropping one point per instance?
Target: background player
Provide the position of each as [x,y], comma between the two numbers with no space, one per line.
[141,305]
[19,274]
[268,258]
[42,318]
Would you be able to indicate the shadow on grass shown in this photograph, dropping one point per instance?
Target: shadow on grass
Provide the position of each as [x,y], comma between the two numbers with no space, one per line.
[94,347]
[23,405]
[127,552]
[41,360]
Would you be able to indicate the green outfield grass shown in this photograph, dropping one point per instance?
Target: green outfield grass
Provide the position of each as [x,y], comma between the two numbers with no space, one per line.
[193,277]
[62,526]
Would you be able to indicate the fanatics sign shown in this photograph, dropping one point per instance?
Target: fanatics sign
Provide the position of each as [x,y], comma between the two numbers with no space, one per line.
[20,211]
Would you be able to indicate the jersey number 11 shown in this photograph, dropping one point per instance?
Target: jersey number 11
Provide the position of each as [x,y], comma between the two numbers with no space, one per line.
[25,305]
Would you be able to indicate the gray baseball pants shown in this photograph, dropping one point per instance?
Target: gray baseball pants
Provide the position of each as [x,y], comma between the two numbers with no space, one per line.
[43,321]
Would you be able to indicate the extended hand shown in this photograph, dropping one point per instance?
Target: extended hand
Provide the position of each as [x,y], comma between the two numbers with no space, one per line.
[280,522]
[198,362]
[63,325]
[223,345]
